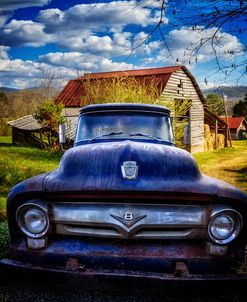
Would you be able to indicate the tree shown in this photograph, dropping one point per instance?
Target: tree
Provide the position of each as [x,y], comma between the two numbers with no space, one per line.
[215,103]
[240,109]
[4,105]
[49,115]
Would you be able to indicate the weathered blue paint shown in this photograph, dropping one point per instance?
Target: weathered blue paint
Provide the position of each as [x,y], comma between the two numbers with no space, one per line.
[93,171]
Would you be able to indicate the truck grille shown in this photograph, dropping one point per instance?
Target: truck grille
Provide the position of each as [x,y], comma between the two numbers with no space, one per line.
[132,221]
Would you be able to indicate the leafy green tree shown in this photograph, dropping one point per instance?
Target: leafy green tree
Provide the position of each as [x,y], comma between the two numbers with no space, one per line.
[215,103]
[240,109]
[49,115]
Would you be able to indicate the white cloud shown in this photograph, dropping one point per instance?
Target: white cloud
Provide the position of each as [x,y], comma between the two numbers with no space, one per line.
[142,47]
[20,32]
[97,17]
[80,27]
[4,52]
[107,45]
[184,42]
[4,16]
[19,73]
[83,62]
[8,5]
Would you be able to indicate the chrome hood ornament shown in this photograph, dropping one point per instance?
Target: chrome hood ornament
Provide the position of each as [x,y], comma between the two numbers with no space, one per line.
[129,170]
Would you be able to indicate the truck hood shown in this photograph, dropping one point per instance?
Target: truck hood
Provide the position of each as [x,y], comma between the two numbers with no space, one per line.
[161,168]
[97,168]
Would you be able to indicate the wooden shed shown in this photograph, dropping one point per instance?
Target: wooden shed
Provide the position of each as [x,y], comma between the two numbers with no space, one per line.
[176,83]
[27,131]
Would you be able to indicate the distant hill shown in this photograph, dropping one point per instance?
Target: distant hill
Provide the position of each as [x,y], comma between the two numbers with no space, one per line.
[234,94]
[8,89]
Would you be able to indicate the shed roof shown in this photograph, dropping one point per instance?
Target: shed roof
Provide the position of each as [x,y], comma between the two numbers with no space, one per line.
[211,117]
[234,122]
[70,96]
[26,122]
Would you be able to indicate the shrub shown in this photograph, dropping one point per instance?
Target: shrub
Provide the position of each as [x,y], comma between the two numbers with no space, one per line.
[49,115]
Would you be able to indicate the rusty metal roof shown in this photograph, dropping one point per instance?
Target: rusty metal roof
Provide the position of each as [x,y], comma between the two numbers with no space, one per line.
[133,73]
[71,95]
[235,122]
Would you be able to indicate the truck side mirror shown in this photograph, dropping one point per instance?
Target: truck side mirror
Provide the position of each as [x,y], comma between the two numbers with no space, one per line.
[61,133]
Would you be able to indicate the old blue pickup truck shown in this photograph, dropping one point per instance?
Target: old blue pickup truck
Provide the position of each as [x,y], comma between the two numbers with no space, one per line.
[126,203]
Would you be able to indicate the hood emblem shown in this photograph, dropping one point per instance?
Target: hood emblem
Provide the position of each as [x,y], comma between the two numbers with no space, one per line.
[129,170]
[128,218]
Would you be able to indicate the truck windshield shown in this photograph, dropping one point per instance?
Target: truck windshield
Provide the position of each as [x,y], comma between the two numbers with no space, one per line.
[124,125]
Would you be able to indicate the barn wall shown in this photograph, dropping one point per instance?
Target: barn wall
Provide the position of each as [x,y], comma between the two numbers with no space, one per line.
[188,91]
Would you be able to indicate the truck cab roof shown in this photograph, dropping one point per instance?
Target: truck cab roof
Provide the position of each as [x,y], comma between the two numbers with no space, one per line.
[125,106]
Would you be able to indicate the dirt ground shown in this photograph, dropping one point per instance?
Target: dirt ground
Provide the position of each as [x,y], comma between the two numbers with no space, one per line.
[18,293]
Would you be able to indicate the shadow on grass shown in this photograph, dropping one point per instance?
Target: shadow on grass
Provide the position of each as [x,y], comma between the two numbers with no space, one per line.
[5,144]
[240,174]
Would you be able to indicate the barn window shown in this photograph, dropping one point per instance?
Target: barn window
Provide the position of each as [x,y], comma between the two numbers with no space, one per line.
[180,85]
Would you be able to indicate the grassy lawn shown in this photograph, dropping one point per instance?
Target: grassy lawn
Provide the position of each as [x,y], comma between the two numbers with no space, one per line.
[228,164]
[17,164]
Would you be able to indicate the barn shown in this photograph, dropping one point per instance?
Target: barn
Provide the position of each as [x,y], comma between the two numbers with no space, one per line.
[176,82]
[237,126]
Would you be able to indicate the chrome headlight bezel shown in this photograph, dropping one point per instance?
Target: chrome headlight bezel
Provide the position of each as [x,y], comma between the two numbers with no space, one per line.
[39,207]
[233,216]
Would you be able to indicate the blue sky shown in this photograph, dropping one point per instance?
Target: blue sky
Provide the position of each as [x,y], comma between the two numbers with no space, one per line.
[69,37]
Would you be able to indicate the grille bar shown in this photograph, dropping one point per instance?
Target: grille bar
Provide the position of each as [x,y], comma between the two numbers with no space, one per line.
[132,221]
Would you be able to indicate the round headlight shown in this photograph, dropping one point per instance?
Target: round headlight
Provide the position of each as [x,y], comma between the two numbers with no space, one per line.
[225,226]
[33,220]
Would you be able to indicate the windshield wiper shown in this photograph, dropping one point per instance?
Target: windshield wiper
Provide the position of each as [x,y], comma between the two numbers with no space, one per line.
[158,139]
[106,134]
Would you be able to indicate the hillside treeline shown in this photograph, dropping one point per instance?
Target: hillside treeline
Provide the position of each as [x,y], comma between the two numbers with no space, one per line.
[15,104]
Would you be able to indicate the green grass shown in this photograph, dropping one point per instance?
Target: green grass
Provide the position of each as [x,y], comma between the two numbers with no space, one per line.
[17,164]
[228,164]
[4,240]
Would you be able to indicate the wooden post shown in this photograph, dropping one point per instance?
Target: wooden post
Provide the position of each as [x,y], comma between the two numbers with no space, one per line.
[216,134]
[228,133]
